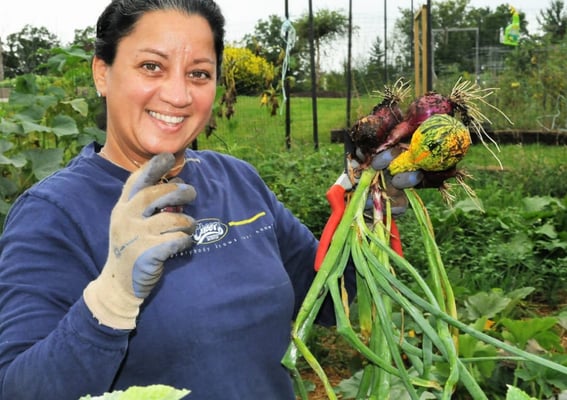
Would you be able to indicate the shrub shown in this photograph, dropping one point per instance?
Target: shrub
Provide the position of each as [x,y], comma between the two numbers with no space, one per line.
[251,73]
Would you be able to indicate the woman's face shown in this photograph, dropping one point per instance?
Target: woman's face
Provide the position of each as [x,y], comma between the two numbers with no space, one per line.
[161,86]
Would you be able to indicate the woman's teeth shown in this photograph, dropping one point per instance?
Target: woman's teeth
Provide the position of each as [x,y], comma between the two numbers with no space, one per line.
[166,118]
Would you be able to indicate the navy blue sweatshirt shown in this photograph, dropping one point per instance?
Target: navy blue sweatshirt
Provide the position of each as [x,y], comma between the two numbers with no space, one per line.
[218,322]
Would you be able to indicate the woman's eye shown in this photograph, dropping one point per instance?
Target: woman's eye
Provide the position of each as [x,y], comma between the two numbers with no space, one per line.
[152,67]
[201,75]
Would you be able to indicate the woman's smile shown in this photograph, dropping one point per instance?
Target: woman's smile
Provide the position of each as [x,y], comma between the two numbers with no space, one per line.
[168,119]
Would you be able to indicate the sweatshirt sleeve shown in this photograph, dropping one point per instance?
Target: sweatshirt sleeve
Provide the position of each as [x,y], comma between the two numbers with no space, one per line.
[51,347]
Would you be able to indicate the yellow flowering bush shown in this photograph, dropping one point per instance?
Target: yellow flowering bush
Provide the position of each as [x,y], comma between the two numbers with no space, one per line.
[250,73]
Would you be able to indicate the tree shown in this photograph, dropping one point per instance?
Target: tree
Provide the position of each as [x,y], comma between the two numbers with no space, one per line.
[553,21]
[374,71]
[402,39]
[85,39]
[454,45]
[266,41]
[376,59]
[328,26]
[27,50]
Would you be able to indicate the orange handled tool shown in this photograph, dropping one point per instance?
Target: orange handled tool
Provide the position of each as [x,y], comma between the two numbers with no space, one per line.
[395,239]
[336,198]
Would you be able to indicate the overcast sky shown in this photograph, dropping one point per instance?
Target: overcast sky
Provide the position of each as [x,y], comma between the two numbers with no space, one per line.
[62,17]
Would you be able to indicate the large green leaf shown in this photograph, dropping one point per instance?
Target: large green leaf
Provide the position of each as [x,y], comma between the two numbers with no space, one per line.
[484,304]
[32,113]
[49,100]
[520,331]
[80,105]
[21,99]
[539,203]
[8,128]
[18,160]
[34,127]
[63,125]
[517,394]
[26,84]
[7,187]
[548,230]
[28,100]
[45,161]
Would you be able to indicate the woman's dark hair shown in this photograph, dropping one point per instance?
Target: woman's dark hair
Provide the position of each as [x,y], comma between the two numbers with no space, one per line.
[120,16]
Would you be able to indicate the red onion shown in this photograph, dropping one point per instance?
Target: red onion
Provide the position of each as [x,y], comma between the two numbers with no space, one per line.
[418,111]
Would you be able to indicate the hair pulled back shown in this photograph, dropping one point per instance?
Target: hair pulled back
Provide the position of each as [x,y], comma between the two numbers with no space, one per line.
[120,16]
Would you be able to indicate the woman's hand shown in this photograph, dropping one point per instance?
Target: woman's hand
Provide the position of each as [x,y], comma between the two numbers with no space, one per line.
[145,230]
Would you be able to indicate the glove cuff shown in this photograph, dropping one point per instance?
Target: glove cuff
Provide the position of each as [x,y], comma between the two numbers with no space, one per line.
[110,304]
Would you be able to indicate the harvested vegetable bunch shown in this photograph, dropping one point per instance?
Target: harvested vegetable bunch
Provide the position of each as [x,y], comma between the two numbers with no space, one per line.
[464,100]
[397,365]
[370,131]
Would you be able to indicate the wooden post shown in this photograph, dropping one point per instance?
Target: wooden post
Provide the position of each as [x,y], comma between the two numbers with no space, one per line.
[417,54]
[421,51]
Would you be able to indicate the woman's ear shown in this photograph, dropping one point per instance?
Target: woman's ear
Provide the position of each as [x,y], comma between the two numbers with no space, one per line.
[99,69]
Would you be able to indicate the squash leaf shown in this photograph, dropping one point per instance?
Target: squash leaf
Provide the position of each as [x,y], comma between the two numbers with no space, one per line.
[152,392]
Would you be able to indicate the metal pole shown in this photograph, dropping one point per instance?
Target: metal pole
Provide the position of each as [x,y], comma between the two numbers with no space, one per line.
[313,77]
[477,57]
[346,138]
[349,65]
[412,42]
[385,42]
[287,97]
[1,62]
[429,85]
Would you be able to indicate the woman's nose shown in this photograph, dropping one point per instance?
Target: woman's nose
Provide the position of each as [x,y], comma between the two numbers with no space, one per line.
[176,90]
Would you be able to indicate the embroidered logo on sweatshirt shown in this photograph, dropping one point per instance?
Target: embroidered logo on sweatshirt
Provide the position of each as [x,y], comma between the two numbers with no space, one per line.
[209,231]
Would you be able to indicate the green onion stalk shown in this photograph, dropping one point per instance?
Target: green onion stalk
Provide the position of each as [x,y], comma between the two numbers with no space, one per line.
[393,358]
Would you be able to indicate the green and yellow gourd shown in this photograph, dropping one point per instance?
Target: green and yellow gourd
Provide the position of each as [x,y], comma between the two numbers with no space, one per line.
[438,144]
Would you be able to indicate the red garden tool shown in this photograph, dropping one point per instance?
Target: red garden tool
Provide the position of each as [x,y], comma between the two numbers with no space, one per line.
[336,196]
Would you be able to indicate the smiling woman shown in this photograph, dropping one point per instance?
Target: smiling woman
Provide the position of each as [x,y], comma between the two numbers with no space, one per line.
[144,262]
[159,88]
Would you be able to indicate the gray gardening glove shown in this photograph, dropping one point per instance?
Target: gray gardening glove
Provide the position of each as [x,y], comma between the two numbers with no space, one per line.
[146,228]
[394,184]
[402,180]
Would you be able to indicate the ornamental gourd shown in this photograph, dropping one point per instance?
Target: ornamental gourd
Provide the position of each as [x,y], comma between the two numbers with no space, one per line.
[438,144]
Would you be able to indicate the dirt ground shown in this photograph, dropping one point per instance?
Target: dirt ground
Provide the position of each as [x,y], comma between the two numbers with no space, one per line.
[337,362]
[319,393]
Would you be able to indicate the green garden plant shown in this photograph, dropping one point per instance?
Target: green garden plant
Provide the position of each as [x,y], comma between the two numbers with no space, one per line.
[491,256]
